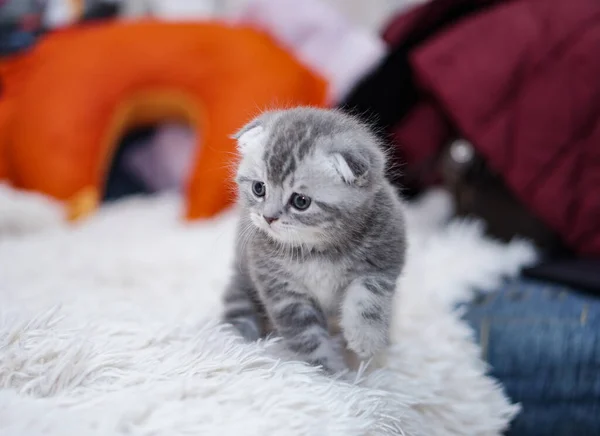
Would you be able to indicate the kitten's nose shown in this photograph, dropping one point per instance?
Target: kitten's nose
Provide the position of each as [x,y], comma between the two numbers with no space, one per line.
[270,219]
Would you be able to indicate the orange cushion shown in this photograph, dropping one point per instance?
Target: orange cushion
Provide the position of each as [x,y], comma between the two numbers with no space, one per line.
[67,103]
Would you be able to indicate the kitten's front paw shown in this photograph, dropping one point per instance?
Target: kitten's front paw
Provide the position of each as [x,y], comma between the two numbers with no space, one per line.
[332,365]
[247,328]
[365,340]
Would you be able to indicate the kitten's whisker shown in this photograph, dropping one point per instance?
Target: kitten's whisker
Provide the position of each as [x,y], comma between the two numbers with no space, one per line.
[245,235]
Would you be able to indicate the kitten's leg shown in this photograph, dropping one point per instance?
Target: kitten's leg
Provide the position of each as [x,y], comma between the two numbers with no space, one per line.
[303,325]
[242,310]
[366,315]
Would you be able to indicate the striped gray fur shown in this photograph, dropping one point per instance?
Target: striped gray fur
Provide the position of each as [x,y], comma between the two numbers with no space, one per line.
[338,259]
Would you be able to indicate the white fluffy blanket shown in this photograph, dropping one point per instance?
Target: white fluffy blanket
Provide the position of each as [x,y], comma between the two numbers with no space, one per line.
[109,328]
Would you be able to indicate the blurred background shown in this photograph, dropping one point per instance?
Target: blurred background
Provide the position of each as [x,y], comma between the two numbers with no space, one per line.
[497,102]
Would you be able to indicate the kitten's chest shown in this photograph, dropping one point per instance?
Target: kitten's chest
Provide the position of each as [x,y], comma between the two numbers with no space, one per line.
[325,281]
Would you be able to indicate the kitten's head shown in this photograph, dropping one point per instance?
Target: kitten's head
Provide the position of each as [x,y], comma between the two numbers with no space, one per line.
[306,175]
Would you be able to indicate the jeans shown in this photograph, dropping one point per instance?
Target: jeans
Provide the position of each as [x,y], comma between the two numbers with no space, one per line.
[542,342]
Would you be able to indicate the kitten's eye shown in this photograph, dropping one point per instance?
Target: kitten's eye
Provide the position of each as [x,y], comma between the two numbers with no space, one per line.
[259,189]
[299,201]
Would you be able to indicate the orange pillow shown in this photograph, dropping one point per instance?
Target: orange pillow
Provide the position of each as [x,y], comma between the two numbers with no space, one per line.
[66,103]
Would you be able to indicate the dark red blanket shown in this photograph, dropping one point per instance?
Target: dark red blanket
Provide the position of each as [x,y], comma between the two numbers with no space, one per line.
[520,80]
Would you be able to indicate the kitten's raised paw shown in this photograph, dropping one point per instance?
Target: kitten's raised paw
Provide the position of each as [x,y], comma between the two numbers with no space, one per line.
[365,341]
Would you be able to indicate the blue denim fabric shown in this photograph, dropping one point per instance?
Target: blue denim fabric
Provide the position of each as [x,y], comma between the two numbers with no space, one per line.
[542,342]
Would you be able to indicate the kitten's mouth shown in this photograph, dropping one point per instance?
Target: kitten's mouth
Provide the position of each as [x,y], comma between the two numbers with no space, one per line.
[269,228]
[278,231]
[284,233]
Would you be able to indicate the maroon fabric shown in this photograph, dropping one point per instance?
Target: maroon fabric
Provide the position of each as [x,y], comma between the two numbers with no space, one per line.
[418,22]
[521,81]
[424,117]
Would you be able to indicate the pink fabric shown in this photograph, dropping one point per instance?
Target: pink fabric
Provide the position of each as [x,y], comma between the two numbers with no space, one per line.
[164,162]
[319,36]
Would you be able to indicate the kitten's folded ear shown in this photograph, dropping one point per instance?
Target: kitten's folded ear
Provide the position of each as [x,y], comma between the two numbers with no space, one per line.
[251,125]
[251,135]
[353,167]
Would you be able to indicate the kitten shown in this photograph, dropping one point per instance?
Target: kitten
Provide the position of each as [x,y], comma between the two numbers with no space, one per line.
[321,235]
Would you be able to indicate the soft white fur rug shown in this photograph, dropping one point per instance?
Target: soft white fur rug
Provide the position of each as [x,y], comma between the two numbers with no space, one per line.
[109,328]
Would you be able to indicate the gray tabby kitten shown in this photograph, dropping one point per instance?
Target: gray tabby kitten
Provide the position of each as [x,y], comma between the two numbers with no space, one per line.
[321,239]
